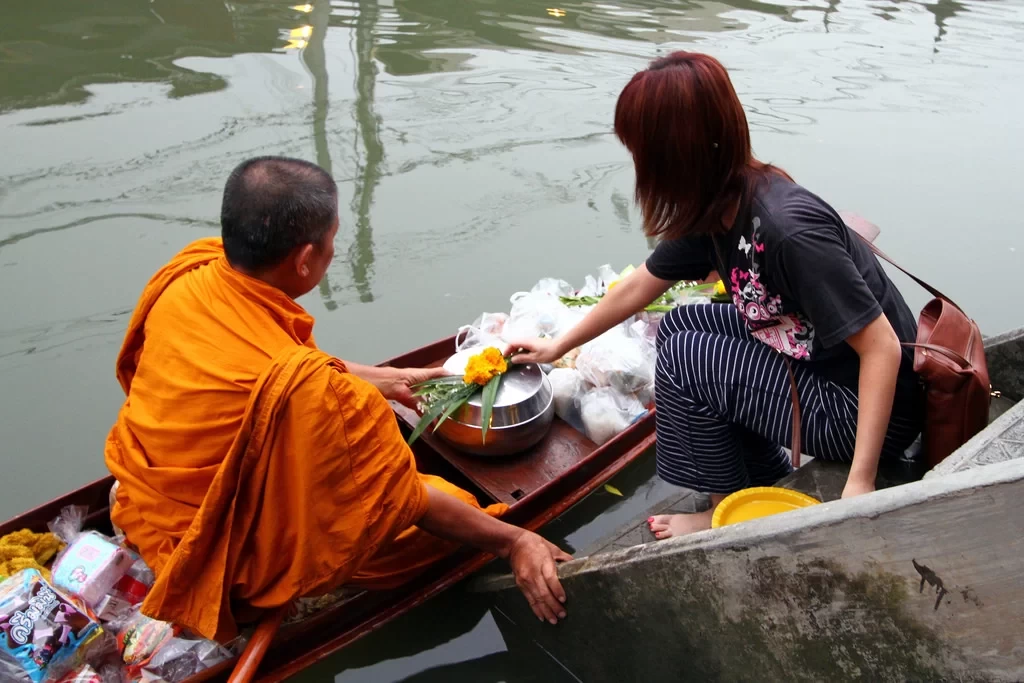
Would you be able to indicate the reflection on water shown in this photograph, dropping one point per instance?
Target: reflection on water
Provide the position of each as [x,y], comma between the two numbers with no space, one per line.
[120,120]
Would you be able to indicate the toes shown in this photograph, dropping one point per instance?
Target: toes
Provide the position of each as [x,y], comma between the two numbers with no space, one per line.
[661,535]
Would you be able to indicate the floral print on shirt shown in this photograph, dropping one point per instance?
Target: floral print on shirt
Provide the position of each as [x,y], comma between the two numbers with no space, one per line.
[789,332]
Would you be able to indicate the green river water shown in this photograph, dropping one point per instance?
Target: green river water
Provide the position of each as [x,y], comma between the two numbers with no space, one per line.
[472,144]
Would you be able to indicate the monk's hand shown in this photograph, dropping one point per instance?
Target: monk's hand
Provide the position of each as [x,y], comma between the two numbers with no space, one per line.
[396,383]
[533,561]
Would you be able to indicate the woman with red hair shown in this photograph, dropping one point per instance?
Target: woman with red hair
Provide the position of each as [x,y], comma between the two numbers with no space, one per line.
[802,284]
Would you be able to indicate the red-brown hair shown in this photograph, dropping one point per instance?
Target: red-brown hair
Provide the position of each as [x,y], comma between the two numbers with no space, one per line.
[684,125]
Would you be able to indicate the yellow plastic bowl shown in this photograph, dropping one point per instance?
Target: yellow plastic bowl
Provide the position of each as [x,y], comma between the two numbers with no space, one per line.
[760,501]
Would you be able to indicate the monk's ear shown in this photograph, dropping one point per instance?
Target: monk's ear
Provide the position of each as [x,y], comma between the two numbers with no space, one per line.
[304,260]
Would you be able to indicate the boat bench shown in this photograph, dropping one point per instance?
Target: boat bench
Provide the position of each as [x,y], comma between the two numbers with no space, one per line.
[825,480]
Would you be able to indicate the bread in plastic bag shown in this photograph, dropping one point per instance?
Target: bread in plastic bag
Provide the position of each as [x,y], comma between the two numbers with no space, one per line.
[606,413]
[43,632]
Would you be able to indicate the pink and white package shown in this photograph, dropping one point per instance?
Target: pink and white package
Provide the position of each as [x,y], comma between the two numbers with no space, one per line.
[90,567]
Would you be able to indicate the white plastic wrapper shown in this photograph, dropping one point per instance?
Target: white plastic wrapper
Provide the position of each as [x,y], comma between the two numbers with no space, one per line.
[568,387]
[606,412]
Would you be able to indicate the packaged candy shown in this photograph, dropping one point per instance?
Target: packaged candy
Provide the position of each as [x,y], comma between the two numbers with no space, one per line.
[43,633]
[90,567]
[140,638]
[129,591]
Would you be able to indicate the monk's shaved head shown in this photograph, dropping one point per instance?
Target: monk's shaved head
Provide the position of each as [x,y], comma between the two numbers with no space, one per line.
[273,205]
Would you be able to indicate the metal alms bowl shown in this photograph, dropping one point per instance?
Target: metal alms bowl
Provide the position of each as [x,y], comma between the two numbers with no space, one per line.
[522,415]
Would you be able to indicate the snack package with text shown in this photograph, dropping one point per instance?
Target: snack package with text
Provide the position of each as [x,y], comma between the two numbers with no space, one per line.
[44,634]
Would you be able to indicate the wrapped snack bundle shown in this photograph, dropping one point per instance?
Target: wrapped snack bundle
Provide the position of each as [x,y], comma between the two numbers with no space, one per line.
[140,639]
[90,567]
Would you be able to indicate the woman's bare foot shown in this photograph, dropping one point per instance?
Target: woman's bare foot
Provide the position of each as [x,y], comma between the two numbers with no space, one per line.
[667,526]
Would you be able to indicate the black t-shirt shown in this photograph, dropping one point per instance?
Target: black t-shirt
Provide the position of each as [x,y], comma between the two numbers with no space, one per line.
[801,279]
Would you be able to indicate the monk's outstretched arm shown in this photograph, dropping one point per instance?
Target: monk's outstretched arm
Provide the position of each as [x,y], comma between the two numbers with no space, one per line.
[532,558]
[394,383]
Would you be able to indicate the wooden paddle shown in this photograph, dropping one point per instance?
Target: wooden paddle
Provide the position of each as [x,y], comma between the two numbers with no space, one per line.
[249,662]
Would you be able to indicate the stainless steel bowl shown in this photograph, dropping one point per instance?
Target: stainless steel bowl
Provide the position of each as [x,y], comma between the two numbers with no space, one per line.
[522,415]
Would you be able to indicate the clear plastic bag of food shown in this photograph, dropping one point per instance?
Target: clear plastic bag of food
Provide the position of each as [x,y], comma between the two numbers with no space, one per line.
[485,331]
[140,638]
[620,358]
[606,413]
[539,314]
[179,658]
[129,591]
[568,387]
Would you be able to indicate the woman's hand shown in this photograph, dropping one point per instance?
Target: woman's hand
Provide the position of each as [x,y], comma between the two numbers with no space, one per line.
[855,486]
[536,350]
[629,297]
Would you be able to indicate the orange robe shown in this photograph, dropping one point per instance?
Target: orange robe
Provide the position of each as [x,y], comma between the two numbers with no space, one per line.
[253,468]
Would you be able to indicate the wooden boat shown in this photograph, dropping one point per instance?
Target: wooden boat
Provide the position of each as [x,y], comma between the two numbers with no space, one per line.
[918,581]
[538,486]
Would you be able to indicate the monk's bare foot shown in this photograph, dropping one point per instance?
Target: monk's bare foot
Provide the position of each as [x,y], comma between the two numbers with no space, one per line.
[667,526]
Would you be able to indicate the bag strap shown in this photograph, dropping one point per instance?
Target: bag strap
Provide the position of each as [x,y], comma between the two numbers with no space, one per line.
[882,255]
[794,395]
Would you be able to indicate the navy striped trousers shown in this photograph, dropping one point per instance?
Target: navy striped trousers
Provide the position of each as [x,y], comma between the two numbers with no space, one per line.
[724,406]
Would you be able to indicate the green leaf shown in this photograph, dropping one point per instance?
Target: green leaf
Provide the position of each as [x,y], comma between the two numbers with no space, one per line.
[457,402]
[425,421]
[487,405]
[612,490]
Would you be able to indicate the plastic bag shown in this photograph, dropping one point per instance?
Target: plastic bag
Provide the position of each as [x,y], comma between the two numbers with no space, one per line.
[568,387]
[140,638]
[68,524]
[485,331]
[108,673]
[606,412]
[129,591]
[620,358]
[539,314]
[45,633]
[180,658]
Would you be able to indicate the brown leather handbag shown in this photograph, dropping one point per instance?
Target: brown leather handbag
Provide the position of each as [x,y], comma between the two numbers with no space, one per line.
[949,357]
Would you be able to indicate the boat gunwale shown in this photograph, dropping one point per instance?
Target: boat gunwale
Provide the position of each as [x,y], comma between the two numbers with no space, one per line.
[535,509]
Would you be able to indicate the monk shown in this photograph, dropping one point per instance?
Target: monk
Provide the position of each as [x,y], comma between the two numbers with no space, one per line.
[254,468]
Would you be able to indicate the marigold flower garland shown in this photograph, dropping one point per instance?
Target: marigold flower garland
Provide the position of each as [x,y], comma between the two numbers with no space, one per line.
[443,396]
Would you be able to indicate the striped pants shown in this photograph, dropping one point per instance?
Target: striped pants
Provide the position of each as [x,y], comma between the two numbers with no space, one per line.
[724,406]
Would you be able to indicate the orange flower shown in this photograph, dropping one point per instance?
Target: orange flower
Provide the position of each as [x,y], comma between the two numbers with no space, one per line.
[484,366]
